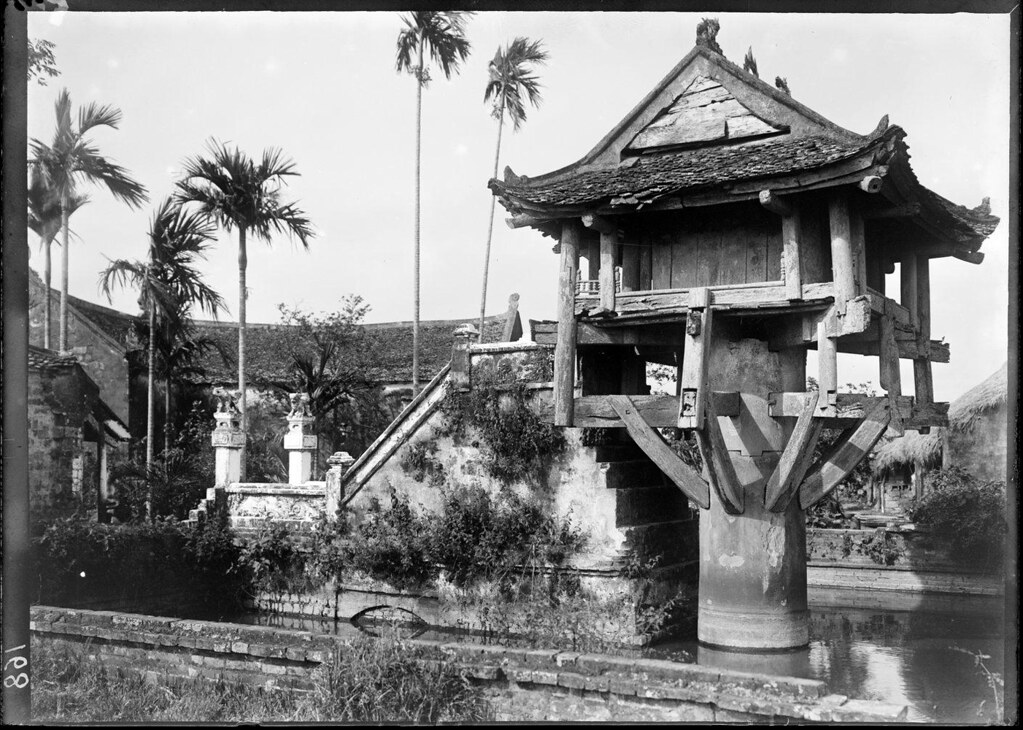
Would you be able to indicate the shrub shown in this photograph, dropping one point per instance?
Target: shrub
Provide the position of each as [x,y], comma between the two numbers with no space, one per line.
[79,561]
[274,561]
[421,463]
[969,516]
[391,545]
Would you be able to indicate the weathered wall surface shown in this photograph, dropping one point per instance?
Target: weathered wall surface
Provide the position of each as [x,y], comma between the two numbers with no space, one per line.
[841,559]
[523,685]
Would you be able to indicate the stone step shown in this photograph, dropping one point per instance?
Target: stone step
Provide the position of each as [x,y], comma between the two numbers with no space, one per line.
[650,505]
[634,473]
[675,541]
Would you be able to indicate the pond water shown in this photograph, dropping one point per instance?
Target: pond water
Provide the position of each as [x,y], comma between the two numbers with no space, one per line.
[919,651]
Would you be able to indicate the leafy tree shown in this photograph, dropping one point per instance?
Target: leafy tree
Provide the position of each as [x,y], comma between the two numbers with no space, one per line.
[44,218]
[237,192]
[511,77]
[42,66]
[71,159]
[441,34]
[168,282]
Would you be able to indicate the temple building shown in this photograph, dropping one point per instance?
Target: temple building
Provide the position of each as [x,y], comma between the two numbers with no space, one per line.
[725,229]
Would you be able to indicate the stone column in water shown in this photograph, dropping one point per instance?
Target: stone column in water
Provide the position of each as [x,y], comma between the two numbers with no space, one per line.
[753,565]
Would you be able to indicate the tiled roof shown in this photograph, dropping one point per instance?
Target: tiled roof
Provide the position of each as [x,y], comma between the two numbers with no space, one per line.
[978,220]
[268,350]
[657,176]
[40,359]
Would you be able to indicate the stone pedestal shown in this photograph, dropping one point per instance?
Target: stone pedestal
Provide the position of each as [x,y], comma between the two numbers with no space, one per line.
[753,565]
[299,443]
[340,462]
[228,439]
[465,336]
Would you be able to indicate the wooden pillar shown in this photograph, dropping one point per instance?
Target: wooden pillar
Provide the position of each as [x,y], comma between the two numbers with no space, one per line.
[630,267]
[843,260]
[908,296]
[858,243]
[923,382]
[592,259]
[564,352]
[646,267]
[608,246]
[790,235]
[693,400]
[827,365]
[889,376]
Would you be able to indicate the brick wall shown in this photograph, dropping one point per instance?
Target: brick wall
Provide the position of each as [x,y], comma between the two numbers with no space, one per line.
[522,684]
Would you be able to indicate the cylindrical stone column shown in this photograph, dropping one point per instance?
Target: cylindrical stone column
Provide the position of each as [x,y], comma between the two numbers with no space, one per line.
[753,565]
[227,438]
[299,443]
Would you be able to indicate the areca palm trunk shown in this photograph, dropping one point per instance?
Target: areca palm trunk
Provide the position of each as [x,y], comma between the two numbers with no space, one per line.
[64,226]
[150,406]
[490,227]
[242,264]
[166,416]
[46,296]
[415,256]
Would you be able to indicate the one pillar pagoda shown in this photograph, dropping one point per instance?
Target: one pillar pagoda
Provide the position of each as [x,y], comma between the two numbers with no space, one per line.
[724,228]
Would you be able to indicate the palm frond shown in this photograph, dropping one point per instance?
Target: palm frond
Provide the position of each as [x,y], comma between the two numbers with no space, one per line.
[96,115]
[91,165]
[512,78]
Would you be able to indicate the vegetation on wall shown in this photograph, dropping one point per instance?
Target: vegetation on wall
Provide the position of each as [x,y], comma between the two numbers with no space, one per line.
[516,443]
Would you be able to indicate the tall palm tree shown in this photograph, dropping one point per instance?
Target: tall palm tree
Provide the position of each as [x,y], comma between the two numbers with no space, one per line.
[44,219]
[511,76]
[441,34]
[237,192]
[70,160]
[166,279]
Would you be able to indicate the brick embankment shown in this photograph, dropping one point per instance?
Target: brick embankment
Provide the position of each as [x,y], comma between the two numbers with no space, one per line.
[522,684]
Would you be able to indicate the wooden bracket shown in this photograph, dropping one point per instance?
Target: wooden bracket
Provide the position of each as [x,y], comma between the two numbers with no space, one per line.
[684,476]
[796,457]
[853,447]
[693,398]
[774,203]
[720,471]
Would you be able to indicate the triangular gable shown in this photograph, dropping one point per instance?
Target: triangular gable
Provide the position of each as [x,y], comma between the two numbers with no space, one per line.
[705,113]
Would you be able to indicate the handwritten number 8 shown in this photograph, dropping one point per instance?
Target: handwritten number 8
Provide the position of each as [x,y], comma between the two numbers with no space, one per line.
[20,681]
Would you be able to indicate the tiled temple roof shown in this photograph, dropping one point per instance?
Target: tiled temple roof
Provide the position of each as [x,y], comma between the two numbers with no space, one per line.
[40,359]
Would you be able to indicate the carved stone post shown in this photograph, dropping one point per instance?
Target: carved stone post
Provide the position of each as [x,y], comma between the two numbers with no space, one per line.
[228,439]
[340,462]
[300,444]
[465,337]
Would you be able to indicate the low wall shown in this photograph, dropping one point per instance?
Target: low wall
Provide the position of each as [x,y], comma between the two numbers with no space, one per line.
[840,559]
[522,685]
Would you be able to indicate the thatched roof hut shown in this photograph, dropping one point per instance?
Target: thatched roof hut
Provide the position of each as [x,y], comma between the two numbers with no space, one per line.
[974,439]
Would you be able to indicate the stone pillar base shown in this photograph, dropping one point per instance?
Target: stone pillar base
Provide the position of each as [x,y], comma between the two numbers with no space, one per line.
[752,629]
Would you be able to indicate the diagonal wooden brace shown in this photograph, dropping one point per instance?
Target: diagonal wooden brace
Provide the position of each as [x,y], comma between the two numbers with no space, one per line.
[718,464]
[849,452]
[796,457]
[685,477]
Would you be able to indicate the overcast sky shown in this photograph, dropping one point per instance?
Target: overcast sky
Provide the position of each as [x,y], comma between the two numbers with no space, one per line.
[322,86]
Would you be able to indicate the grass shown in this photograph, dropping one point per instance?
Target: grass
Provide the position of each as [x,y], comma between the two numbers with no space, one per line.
[365,680]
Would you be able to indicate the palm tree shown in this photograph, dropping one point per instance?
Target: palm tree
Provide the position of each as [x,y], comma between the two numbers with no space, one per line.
[44,220]
[236,192]
[166,279]
[71,159]
[442,35]
[511,75]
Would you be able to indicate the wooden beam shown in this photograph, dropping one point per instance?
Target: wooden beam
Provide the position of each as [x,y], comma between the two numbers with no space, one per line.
[849,452]
[923,380]
[564,352]
[796,457]
[774,203]
[524,220]
[693,400]
[827,365]
[718,465]
[871,184]
[600,224]
[908,296]
[608,248]
[843,261]
[905,210]
[852,407]
[682,475]
[889,376]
